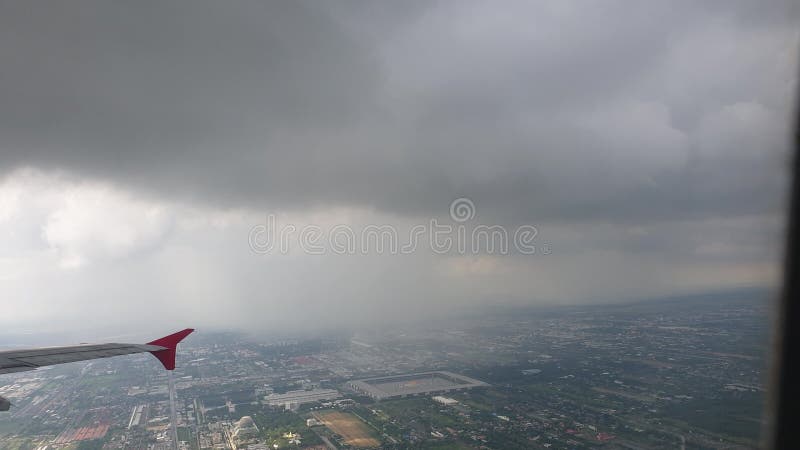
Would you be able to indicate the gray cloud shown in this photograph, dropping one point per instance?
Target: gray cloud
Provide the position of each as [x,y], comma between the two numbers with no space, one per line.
[293,103]
[587,119]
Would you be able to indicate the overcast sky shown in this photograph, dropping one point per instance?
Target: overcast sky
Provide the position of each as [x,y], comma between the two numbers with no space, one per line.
[142,142]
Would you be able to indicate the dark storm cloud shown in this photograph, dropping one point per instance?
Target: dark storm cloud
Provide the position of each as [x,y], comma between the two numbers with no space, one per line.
[146,91]
[561,110]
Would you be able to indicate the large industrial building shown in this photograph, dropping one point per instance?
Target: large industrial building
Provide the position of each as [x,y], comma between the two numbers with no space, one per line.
[293,398]
[381,388]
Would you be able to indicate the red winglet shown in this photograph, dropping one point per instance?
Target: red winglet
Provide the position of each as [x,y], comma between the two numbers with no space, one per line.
[167,356]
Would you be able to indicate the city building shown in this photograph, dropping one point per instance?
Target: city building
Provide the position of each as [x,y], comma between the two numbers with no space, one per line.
[413,384]
[292,398]
[447,401]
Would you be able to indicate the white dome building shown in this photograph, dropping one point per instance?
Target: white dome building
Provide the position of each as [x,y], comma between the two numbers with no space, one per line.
[245,428]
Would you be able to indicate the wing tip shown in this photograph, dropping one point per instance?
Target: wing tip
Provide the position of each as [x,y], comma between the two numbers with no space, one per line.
[167,356]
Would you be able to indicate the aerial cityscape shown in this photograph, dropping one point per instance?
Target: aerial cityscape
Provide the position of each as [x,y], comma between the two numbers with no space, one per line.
[427,224]
[684,372]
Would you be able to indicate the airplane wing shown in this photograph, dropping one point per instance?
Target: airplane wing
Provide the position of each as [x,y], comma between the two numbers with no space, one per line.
[30,359]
